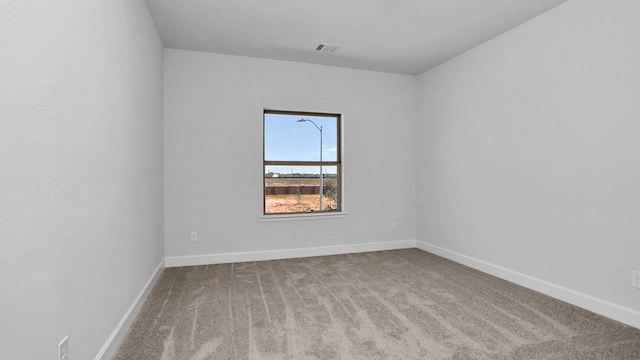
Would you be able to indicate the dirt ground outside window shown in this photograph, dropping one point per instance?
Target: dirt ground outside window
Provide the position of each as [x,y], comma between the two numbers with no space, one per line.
[299,202]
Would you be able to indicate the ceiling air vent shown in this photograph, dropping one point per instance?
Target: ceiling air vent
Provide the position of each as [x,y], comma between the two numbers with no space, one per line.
[327,48]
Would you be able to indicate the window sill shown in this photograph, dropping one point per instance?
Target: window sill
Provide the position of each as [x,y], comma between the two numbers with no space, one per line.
[305,216]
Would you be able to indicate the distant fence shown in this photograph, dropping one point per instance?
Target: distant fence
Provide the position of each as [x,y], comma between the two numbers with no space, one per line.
[285,190]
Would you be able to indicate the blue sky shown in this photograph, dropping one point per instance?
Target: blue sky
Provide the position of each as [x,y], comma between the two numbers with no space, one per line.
[288,139]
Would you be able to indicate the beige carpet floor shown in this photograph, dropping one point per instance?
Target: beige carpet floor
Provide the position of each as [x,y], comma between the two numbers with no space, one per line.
[400,304]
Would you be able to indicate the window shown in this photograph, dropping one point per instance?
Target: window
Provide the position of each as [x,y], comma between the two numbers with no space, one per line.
[302,166]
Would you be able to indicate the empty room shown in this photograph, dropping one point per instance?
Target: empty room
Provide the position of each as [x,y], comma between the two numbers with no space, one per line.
[413,179]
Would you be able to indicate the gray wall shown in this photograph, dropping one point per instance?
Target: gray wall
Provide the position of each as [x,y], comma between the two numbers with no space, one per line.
[213,141]
[529,151]
[80,171]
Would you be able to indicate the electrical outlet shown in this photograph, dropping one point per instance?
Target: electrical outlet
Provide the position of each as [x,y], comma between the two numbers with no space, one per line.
[194,236]
[635,279]
[63,349]
[394,225]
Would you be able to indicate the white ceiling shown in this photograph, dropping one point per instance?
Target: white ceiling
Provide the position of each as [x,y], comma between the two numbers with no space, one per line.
[398,36]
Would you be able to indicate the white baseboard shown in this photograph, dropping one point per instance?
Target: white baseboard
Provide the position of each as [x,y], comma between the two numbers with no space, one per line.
[110,347]
[174,261]
[620,313]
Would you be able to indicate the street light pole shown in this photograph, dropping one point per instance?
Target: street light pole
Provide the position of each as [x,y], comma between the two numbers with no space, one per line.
[321,180]
[321,175]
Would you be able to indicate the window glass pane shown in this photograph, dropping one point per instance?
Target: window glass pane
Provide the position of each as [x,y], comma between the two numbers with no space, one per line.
[286,138]
[291,189]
